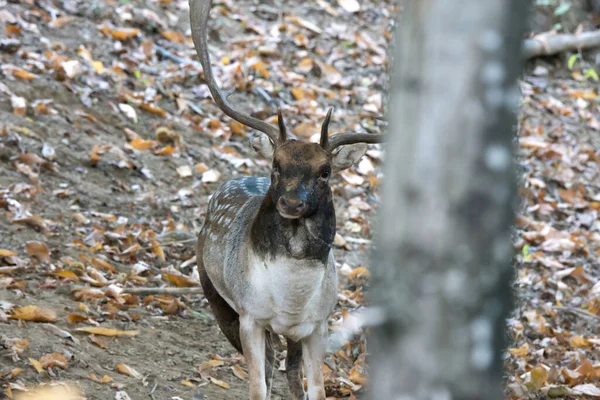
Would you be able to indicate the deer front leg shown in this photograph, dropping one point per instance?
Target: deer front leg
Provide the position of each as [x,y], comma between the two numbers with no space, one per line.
[293,369]
[253,340]
[313,354]
[269,361]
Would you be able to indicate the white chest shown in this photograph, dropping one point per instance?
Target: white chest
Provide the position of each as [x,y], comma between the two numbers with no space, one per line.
[287,295]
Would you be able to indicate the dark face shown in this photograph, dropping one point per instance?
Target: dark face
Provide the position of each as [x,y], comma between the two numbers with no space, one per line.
[300,178]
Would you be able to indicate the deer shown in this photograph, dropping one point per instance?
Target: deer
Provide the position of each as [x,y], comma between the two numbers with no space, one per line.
[264,253]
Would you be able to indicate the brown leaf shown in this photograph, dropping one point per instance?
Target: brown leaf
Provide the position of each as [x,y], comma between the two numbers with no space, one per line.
[153,109]
[260,68]
[60,22]
[127,370]
[34,314]
[36,365]
[99,341]
[357,377]
[107,331]
[180,280]
[239,372]
[66,274]
[578,341]
[210,364]
[72,319]
[165,151]
[173,36]
[22,74]
[38,250]
[140,144]
[101,264]
[123,34]
[158,250]
[304,24]
[34,220]
[219,382]
[539,376]
[54,360]
[104,379]
[521,351]
[7,253]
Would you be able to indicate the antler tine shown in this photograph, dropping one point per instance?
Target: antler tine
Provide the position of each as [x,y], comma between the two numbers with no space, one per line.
[341,139]
[199,15]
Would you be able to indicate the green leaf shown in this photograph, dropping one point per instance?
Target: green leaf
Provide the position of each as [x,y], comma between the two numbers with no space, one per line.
[558,391]
[572,60]
[137,74]
[526,255]
[591,73]
[563,8]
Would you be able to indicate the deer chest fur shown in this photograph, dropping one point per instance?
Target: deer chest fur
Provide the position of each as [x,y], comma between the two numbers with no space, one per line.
[290,296]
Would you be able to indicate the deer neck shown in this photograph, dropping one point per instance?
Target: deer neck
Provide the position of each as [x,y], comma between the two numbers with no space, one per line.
[309,237]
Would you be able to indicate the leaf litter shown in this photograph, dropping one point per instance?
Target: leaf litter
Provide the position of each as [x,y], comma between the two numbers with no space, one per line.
[97,202]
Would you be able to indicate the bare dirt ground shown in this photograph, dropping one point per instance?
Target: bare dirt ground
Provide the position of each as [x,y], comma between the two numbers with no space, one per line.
[109,147]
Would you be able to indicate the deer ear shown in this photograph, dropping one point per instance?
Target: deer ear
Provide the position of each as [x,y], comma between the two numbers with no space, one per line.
[263,146]
[347,155]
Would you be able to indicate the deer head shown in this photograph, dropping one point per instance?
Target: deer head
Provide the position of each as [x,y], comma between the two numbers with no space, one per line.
[300,171]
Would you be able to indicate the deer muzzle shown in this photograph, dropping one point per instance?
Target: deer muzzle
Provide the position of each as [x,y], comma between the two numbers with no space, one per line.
[291,206]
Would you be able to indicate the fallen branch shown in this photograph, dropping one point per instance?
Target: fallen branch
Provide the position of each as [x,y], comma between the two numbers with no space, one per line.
[175,291]
[580,313]
[547,45]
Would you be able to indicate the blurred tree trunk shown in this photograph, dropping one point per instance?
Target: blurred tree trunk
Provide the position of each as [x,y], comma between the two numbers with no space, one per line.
[442,265]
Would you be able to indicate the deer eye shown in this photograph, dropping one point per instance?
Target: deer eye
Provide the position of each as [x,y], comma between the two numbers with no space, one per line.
[325,175]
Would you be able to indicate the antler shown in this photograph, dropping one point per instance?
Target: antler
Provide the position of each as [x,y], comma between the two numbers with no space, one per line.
[342,139]
[199,14]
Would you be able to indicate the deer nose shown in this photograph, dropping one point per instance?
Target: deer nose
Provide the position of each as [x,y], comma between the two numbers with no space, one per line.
[290,206]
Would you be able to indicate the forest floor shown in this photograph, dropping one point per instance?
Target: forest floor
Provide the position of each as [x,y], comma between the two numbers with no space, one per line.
[110,145]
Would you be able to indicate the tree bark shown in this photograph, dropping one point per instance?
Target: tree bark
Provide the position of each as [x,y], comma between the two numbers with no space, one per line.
[441,268]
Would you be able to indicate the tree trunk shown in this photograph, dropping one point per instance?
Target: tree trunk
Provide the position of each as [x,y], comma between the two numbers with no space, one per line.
[442,264]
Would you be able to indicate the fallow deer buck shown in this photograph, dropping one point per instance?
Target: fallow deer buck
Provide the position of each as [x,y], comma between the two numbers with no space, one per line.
[264,253]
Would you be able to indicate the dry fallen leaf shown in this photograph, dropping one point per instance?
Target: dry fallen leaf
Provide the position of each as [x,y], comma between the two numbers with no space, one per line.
[54,360]
[104,379]
[219,382]
[127,370]
[180,280]
[185,171]
[587,389]
[22,74]
[66,274]
[107,331]
[60,22]
[38,250]
[36,365]
[239,372]
[54,391]
[33,220]
[7,253]
[210,364]
[173,36]
[34,314]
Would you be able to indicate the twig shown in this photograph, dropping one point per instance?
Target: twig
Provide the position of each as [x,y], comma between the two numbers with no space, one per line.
[179,60]
[547,45]
[579,312]
[176,291]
